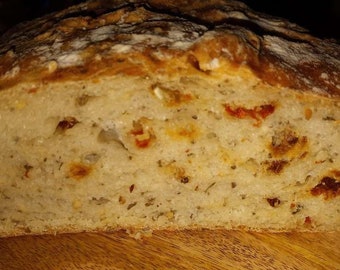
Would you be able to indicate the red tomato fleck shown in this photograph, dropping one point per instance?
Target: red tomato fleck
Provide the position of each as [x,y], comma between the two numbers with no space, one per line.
[142,143]
[308,220]
[258,112]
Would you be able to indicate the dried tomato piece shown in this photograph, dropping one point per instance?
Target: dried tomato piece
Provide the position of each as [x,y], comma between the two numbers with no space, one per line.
[328,186]
[274,202]
[258,112]
[67,123]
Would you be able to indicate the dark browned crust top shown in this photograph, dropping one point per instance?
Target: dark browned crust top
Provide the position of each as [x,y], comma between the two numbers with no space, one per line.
[77,43]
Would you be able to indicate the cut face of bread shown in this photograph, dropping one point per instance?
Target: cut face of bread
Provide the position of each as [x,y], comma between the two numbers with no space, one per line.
[126,120]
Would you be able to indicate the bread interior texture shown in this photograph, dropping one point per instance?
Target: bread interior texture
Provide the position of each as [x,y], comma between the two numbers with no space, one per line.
[167,152]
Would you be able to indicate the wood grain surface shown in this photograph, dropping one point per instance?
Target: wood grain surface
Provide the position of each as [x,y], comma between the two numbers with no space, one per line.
[173,250]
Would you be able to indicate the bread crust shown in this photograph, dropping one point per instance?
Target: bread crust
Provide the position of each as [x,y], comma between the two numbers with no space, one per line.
[77,43]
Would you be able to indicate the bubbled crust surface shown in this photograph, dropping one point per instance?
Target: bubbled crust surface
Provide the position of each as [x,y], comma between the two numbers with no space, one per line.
[83,40]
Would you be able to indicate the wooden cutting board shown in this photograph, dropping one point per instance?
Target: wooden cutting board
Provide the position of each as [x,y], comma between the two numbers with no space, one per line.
[173,250]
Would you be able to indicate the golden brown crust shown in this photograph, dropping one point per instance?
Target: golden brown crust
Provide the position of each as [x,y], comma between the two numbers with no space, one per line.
[143,37]
[134,230]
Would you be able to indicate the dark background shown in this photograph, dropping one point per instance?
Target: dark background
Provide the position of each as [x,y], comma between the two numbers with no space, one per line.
[321,18]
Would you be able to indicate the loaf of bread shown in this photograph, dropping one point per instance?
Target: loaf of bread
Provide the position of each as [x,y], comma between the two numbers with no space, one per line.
[163,114]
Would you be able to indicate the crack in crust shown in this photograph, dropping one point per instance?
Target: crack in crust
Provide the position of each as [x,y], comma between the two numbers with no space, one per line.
[147,36]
